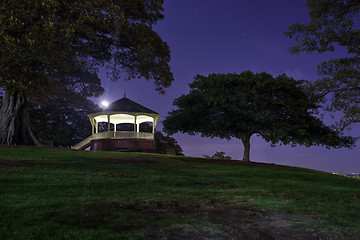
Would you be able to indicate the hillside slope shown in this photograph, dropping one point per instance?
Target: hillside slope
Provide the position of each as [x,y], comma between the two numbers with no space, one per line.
[65,194]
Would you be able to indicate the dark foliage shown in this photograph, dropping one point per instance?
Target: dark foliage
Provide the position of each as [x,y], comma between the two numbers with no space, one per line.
[165,144]
[333,26]
[219,156]
[240,105]
[61,123]
[50,49]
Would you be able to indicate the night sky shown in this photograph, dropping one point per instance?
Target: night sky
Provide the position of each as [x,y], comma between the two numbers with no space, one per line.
[208,36]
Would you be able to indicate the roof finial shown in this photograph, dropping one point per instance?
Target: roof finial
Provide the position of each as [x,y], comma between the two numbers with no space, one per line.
[124,95]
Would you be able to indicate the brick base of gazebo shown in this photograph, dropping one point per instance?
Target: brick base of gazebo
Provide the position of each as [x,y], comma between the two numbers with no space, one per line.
[123,145]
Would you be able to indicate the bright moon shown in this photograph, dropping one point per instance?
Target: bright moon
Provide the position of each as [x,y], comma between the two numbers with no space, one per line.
[104,103]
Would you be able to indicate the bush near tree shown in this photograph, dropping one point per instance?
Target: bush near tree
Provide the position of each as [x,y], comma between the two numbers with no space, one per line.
[165,144]
[219,156]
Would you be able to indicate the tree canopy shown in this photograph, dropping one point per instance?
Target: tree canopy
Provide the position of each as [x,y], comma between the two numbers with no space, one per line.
[332,27]
[55,46]
[241,105]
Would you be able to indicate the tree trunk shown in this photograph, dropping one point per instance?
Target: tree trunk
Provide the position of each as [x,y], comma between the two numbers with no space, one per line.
[245,139]
[15,126]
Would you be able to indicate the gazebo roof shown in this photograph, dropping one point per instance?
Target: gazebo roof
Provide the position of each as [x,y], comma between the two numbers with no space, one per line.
[126,105]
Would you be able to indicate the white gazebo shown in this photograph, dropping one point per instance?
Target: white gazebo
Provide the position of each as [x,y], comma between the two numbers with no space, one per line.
[121,111]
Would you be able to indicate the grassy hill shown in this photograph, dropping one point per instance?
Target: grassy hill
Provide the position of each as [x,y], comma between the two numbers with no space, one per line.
[65,194]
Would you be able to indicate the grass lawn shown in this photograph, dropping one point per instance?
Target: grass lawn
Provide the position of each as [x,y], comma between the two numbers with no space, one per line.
[65,194]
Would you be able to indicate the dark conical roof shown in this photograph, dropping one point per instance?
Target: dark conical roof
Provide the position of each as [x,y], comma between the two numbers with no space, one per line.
[126,105]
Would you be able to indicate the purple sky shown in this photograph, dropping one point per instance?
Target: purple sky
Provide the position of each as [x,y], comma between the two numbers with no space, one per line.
[208,36]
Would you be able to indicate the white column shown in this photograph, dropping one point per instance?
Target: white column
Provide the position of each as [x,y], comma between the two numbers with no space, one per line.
[135,128]
[108,117]
[96,127]
[153,127]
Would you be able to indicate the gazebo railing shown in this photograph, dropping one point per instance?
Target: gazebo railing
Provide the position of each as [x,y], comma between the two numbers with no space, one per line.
[113,135]
[123,134]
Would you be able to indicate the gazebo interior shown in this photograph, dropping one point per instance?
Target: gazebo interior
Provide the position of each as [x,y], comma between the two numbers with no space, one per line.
[120,125]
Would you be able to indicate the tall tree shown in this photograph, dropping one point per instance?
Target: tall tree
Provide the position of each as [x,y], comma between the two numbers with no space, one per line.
[241,105]
[332,26]
[54,46]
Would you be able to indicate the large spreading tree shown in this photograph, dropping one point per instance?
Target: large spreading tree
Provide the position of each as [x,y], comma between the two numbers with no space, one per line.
[334,25]
[241,105]
[52,49]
